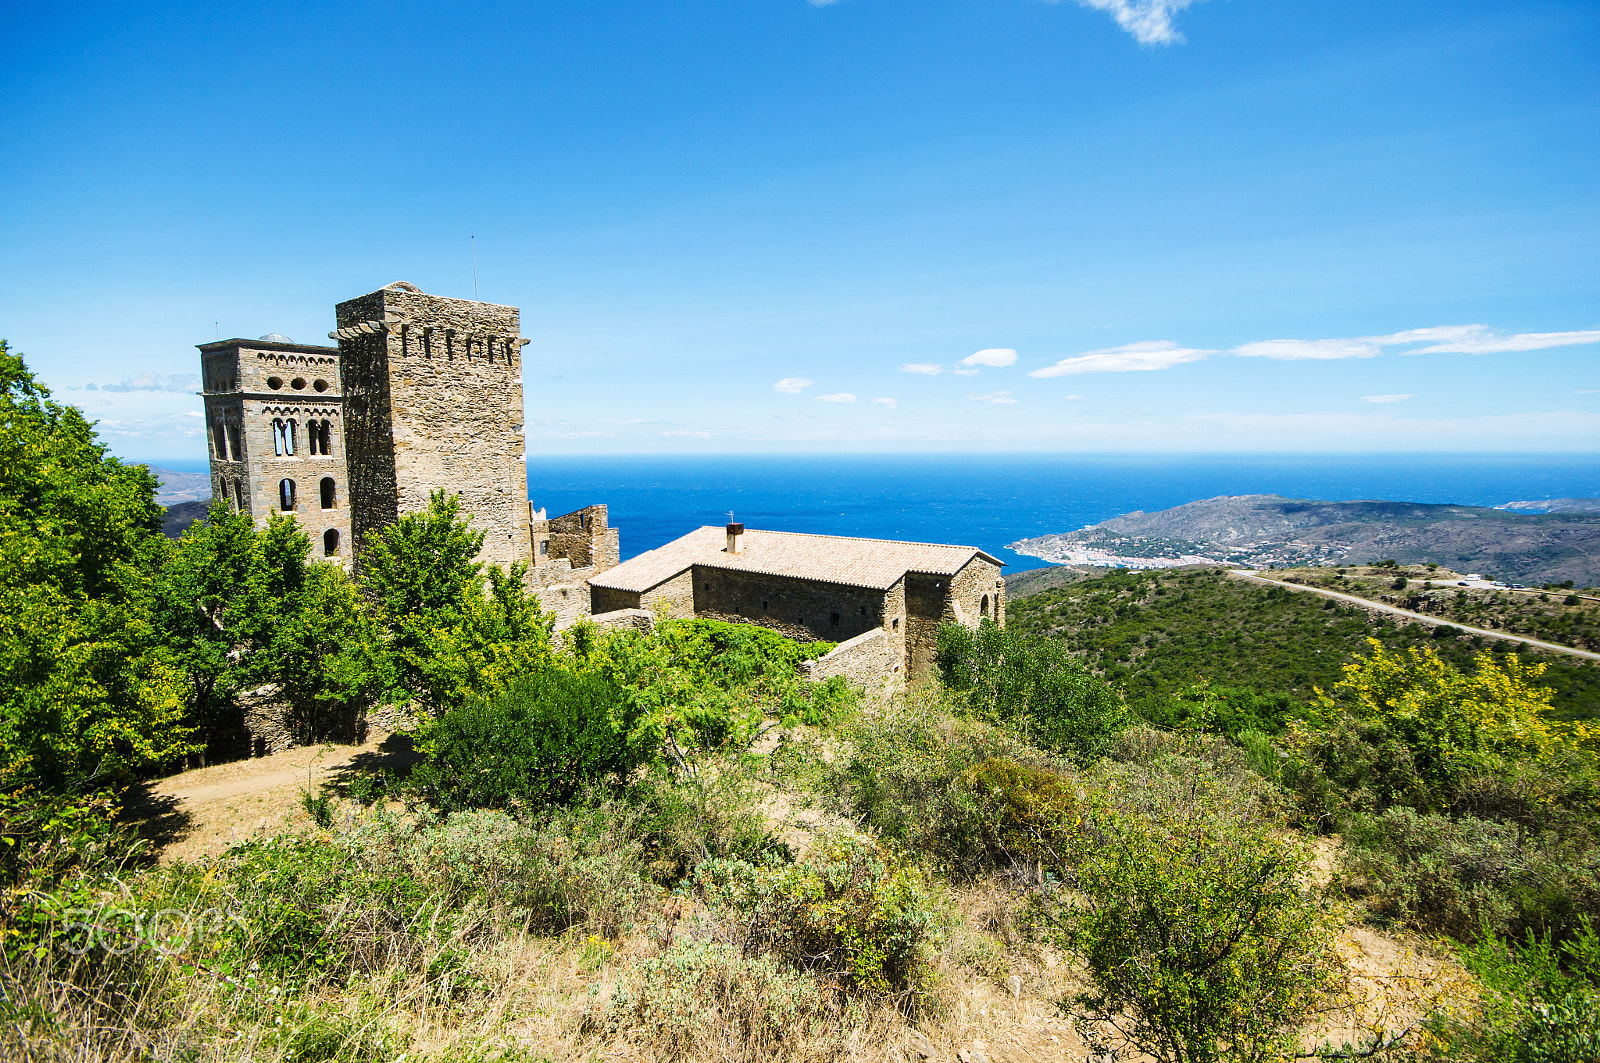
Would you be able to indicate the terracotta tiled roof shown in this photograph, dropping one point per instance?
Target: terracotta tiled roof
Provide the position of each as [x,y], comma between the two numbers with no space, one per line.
[874,563]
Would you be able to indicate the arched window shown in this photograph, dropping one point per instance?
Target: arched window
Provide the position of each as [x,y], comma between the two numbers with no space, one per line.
[278,441]
[311,438]
[233,442]
[286,495]
[238,494]
[330,542]
[288,437]
[983,610]
[327,437]
[220,441]
[327,492]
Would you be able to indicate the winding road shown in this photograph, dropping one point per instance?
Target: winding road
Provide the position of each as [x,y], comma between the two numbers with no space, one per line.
[1423,618]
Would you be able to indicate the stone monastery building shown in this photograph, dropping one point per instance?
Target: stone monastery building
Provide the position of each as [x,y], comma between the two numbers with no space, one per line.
[424,392]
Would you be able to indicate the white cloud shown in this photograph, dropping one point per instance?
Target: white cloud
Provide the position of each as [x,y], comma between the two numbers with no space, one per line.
[1301,350]
[685,433]
[1487,341]
[998,357]
[1072,396]
[841,396]
[1587,391]
[1441,339]
[925,368]
[999,397]
[793,385]
[1150,21]
[196,413]
[891,403]
[1129,358]
[965,372]
[1386,398]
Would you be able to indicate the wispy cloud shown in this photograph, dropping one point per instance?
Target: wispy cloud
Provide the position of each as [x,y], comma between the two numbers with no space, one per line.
[151,381]
[1442,339]
[793,385]
[686,433]
[925,368]
[839,396]
[1386,398]
[998,357]
[1150,21]
[1486,341]
[1306,350]
[998,397]
[891,403]
[1129,358]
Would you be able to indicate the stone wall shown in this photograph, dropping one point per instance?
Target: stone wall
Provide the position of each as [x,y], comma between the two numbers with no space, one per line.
[640,620]
[804,610]
[671,600]
[583,538]
[434,398]
[867,662]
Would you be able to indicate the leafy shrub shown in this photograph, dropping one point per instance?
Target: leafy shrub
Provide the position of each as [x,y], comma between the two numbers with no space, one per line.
[705,999]
[1027,814]
[319,806]
[1227,711]
[548,737]
[849,914]
[1197,941]
[818,704]
[711,814]
[1540,1003]
[903,772]
[1033,683]
[1467,876]
[580,867]
[699,684]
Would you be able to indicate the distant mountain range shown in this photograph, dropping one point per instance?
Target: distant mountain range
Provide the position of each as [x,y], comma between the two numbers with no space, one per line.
[1507,542]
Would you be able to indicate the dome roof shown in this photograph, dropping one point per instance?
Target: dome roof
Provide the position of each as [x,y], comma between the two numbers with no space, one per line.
[276,337]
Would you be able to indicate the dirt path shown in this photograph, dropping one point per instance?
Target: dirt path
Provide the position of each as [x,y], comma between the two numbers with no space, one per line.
[1423,618]
[203,811]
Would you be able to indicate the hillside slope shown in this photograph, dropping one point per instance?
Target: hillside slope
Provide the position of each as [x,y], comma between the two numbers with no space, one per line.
[1156,633]
[1270,529]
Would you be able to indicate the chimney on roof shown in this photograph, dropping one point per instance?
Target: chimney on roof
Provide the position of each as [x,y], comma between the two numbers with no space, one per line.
[735,538]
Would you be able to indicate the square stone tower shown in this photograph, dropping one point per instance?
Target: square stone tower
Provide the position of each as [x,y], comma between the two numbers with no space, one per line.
[433,401]
[274,420]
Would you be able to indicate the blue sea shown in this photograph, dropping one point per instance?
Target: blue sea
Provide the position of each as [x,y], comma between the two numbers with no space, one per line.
[990,501]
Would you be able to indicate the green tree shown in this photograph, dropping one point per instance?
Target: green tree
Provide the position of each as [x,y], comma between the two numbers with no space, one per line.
[87,695]
[453,631]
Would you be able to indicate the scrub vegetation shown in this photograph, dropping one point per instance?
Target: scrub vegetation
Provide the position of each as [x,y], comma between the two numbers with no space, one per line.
[673,847]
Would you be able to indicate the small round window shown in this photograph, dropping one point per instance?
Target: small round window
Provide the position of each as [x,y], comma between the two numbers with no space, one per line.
[320,385]
[274,382]
[298,383]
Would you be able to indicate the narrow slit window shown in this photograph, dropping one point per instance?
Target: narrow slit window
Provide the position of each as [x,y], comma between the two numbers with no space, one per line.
[288,437]
[327,437]
[233,441]
[221,440]
[983,609]
[327,492]
[277,437]
[286,495]
[330,542]
[238,495]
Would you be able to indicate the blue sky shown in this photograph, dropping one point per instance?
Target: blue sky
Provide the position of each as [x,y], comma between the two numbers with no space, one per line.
[744,226]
